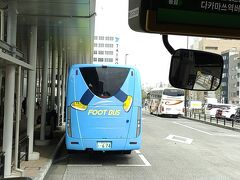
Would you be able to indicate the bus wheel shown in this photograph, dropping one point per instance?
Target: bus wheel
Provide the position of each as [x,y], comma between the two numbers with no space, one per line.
[127,152]
[72,152]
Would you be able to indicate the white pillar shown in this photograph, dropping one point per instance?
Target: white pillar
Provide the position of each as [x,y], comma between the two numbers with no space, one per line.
[63,84]
[1,76]
[54,61]
[31,92]
[44,87]
[2,25]
[18,114]
[9,91]
[50,72]
[8,118]
[59,82]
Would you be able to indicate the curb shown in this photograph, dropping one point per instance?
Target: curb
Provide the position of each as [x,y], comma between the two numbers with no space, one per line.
[213,124]
[47,167]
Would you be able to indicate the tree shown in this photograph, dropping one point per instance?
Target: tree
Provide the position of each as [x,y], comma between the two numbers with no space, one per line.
[144,96]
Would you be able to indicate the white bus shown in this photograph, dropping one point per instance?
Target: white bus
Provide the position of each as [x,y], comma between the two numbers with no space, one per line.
[172,102]
[155,96]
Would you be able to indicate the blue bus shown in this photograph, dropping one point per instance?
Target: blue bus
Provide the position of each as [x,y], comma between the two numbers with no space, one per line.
[103,108]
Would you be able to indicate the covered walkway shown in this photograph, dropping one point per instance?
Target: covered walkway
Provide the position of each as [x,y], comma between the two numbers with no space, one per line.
[39,40]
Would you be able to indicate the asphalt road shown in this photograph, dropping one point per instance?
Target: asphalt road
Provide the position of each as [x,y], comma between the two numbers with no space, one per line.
[172,149]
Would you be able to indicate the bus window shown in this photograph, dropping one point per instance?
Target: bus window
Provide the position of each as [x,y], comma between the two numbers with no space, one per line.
[102,81]
[173,92]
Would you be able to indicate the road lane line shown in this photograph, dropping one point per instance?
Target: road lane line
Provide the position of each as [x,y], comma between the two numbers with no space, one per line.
[194,128]
[131,165]
[227,135]
[84,165]
[144,160]
[137,151]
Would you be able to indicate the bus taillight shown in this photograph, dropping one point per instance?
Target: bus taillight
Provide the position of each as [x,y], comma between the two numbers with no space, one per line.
[69,129]
[138,122]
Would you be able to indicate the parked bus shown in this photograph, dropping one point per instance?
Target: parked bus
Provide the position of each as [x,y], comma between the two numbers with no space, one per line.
[172,102]
[103,108]
[155,96]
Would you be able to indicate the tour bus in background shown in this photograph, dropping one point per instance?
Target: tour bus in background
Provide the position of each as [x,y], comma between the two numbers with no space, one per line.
[103,109]
[155,96]
[172,102]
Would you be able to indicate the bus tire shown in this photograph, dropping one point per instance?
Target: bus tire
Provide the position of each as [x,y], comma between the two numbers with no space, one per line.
[71,152]
[127,152]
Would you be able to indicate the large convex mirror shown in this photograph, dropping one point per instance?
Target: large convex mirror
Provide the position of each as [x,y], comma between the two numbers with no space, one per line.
[196,70]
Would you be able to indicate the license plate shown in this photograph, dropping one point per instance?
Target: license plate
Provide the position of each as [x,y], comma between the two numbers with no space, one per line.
[104,145]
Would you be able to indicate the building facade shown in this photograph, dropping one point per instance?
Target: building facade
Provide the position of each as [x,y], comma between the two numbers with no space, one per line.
[106,50]
[234,79]
[229,71]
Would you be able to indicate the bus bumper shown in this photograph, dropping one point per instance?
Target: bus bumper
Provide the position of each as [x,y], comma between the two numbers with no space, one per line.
[92,144]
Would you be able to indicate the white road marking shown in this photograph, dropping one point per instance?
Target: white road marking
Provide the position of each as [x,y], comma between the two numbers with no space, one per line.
[180,139]
[145,161]
[194,129]
[84,165]
[227,135]
[131,165]
[137,151]
[220,135]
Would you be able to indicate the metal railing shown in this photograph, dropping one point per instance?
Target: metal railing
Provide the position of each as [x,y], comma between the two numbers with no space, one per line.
[23,147]
[2,161]
[228,122]
[12,51]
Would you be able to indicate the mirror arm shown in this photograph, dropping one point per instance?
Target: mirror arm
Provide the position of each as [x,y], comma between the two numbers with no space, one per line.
[167,44]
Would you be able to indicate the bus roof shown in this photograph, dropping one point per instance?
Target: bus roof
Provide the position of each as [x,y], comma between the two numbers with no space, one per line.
[157,89]
[102,65]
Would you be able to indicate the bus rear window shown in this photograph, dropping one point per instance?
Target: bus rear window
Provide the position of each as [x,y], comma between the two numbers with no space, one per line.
[173,92]
[104,82]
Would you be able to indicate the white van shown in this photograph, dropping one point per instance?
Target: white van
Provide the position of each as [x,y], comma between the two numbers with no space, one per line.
[211,109]
[229,112]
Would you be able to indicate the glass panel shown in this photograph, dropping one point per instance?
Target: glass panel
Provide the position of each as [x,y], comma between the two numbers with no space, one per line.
[104,82]
[173,92]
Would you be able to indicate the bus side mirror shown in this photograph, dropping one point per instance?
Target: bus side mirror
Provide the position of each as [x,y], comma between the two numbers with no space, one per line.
[195,70]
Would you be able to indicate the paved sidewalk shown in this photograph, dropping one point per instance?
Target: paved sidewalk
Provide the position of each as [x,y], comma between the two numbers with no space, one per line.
[39,168]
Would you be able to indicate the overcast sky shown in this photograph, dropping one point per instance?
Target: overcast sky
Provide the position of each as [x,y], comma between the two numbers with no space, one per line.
[145,51]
